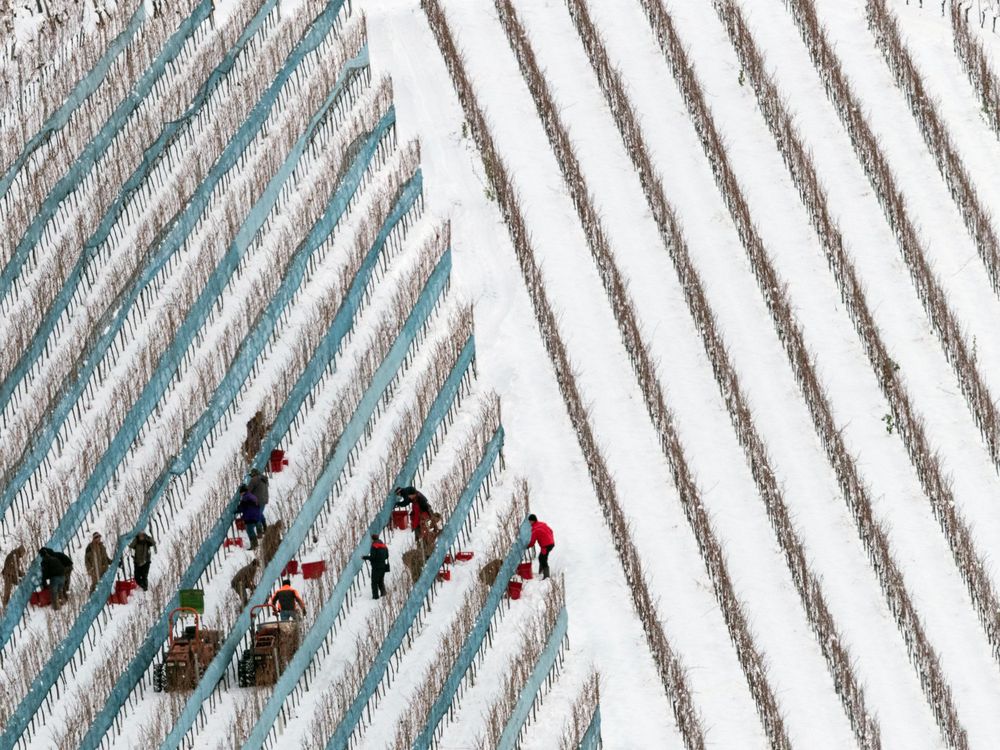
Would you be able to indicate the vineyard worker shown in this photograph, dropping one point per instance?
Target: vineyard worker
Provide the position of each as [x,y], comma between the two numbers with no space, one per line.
[67,563]
[378,556]
[257,486]
[55,573]
[542,535]
[287,601]
[250,512]
[270,542]
[418,505]
[256,430]
[142,555]
[430,529]
[243,582]
[12,572]
[96,560]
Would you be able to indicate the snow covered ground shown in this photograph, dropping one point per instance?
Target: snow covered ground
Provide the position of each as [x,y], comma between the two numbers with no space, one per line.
[717,613]
[402,44]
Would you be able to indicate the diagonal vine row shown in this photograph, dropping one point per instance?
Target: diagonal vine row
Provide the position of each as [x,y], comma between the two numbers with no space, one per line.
[924,459]
[885,29]
[872,534]
[668,665]
[977,65]
[806,583]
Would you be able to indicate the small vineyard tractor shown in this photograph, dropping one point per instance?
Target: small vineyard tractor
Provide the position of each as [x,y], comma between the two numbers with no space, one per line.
[188,654]
[273,645]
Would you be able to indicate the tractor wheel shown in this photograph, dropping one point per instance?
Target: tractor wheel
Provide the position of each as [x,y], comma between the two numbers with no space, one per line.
[247,669]
[158,678]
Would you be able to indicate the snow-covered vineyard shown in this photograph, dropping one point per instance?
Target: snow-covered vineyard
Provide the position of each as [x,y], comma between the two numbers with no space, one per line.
[263,259]
[710,287]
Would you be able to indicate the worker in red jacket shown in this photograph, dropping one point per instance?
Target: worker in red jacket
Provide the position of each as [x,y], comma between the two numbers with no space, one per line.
[542,535]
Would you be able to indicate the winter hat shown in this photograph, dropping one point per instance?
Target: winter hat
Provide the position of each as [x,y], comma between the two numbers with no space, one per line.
[532,517]
[254,473]
[97,535]
[286,582]
[374,537]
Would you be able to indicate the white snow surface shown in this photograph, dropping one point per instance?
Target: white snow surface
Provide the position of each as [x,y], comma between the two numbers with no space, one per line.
[604,629]
[541,443]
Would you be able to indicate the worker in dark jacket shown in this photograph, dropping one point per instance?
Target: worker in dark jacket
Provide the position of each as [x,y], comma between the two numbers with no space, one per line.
[419,505]
[55,574]
[142,555]
[378,556]
[67,563]
[542,535]
[12,571]
[287,601]
[96,560]
[257,486]
[250,512]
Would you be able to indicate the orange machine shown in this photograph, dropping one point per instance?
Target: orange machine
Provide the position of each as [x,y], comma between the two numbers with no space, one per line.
[187,654]
[273,645]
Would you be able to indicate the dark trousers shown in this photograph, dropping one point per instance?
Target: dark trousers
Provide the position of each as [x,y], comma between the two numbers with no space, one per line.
[254,529]
[543,560]
[58,586]
[142,575]
[378,583]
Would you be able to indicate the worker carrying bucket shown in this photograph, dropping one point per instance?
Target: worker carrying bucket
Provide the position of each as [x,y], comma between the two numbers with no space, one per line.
[419,506]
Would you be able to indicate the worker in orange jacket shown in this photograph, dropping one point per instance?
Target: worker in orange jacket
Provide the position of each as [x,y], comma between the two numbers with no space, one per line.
[287,601]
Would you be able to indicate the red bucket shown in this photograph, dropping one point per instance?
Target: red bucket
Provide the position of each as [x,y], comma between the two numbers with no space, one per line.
[277,461]
[41,598]
[514,589]
[444,574]
[312,570]
[464,556]
[400,519]
[118,597]
[126,586]
[447,559]
[291,569]
[233,542]
[524,570]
